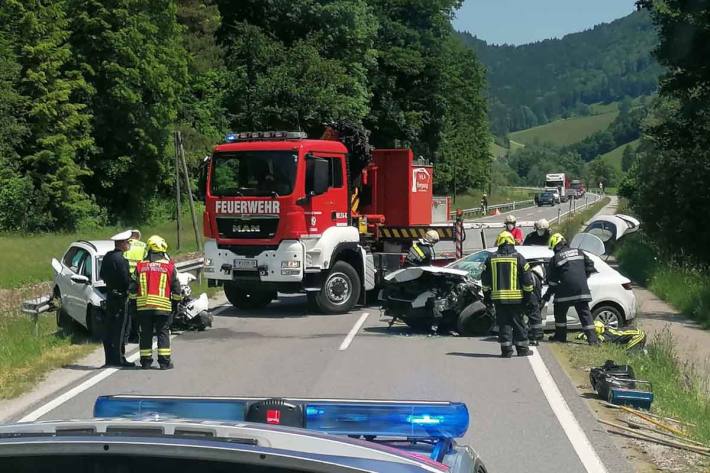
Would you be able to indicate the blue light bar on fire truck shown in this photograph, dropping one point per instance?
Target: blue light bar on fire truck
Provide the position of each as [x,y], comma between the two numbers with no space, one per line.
[233,137]
[408,419]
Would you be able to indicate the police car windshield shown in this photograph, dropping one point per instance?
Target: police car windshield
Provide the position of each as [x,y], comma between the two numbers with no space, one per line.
[253,173]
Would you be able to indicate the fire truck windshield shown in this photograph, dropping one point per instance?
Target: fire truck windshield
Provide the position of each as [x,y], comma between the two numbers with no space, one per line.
[253,173]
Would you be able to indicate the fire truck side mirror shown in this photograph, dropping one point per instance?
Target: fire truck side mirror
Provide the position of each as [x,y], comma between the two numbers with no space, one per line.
[202,179]
[317,176]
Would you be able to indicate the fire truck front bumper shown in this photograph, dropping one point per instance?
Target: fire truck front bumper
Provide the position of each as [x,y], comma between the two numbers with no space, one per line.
[283,264]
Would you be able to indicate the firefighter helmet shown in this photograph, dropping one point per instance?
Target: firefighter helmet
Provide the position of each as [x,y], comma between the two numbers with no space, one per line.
[432,236]
[510,219]
[157,244]
[555,240]
[505,237]
[542,224]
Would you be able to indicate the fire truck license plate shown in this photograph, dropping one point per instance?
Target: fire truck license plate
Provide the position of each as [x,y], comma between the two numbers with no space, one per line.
[245,265]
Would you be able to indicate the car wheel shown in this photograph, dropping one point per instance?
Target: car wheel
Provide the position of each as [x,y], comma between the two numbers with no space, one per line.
[243,299]
[94,322]
[340,291]
[608,315]
[64,322]
[474,320]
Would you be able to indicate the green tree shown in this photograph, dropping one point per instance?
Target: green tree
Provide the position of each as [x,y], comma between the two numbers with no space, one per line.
[627,158]
[407,104]
[463,159]
[202,116]
[670,187]
[55,155]
[132,56]
[601,171]
[297,64]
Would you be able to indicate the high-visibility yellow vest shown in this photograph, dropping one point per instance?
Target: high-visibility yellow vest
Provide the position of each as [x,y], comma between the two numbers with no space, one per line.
[135,254]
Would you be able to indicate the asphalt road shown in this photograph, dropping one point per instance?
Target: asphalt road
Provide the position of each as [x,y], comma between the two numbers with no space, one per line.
[474,241]
[286,351]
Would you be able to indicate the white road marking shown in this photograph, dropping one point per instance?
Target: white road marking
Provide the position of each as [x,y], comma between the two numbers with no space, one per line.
[353,331]
[581,444]
[94,380]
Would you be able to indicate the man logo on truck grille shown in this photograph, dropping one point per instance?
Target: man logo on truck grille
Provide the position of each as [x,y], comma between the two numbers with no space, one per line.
[246,228]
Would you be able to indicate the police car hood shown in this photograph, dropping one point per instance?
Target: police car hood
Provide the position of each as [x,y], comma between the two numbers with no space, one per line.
[413,273]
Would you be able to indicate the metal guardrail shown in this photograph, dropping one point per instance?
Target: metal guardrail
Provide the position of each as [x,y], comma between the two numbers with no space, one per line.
[43,303]
[520,204]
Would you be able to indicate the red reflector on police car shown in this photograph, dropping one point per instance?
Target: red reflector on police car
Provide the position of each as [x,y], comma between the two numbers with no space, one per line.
[273,416]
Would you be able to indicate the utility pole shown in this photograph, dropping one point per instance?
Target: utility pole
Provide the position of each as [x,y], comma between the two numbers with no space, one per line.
[198,240]
[177,187]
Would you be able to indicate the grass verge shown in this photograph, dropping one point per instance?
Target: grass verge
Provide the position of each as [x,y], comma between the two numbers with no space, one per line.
[679,389]
[25,259]
[685,287]
[571,224]
[26,358]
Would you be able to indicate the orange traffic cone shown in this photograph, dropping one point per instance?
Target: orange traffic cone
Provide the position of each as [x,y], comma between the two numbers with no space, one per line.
[496,212]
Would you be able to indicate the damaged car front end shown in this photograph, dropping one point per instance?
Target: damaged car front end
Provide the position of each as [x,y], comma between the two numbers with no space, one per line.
[439,300]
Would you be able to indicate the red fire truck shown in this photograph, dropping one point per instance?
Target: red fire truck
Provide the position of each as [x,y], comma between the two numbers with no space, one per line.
[284,214]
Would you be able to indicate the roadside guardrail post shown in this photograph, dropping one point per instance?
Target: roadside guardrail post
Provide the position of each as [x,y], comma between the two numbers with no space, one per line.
[483,239]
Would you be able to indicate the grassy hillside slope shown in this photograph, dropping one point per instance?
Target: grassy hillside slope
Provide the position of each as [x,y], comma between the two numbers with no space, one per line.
[566,131]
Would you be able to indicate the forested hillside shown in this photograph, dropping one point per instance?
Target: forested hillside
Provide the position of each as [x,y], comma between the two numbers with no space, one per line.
[532,84]
[91,92]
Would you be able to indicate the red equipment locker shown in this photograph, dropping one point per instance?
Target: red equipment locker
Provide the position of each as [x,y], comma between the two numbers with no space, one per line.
[402,190]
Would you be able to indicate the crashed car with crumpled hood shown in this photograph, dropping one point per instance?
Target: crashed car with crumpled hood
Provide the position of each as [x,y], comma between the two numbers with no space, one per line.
[433,299]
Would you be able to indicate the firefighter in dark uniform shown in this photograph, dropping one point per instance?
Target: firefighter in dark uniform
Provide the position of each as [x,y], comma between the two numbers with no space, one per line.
[507,283]
[115,273]
[567,281]
[421,253]
[540,236]
[156,291]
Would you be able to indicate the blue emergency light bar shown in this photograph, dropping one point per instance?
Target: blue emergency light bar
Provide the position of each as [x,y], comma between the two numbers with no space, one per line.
[410,419]
[233,137]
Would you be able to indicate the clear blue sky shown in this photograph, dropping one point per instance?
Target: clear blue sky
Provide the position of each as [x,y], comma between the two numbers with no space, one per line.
[526,21]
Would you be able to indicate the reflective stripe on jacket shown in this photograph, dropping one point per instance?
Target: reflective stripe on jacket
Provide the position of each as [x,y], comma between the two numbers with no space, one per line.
[506,275]
[420,253]
[156,285]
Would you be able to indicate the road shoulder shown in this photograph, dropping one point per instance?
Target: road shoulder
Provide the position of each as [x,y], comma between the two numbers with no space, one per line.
[606,448]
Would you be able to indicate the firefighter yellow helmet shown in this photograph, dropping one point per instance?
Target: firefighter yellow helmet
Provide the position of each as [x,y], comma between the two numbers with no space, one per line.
[157,244]
[432,236]
[505,237]
[555,240]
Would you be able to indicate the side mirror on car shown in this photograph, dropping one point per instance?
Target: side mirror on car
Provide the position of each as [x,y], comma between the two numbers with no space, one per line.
[80,279]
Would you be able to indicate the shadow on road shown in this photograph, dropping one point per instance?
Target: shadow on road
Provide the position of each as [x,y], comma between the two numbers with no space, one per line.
[473,355]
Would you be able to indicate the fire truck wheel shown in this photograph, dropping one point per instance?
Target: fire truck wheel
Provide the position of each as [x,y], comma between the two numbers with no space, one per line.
[242,299]
[340,291]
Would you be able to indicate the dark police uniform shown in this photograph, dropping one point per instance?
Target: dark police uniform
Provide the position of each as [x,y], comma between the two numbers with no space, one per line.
[567,280]
[115,273]
[421,253]
[533,239]
[507,283]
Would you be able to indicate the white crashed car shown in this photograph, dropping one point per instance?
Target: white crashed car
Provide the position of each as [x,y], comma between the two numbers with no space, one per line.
[78,292]
[613,300]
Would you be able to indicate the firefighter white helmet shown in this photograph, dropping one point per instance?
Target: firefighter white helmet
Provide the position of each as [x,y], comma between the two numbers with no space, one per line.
[510,219]
[542,224]
[432,236]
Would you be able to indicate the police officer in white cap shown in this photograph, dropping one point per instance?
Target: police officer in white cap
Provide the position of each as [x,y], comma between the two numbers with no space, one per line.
[115,272]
